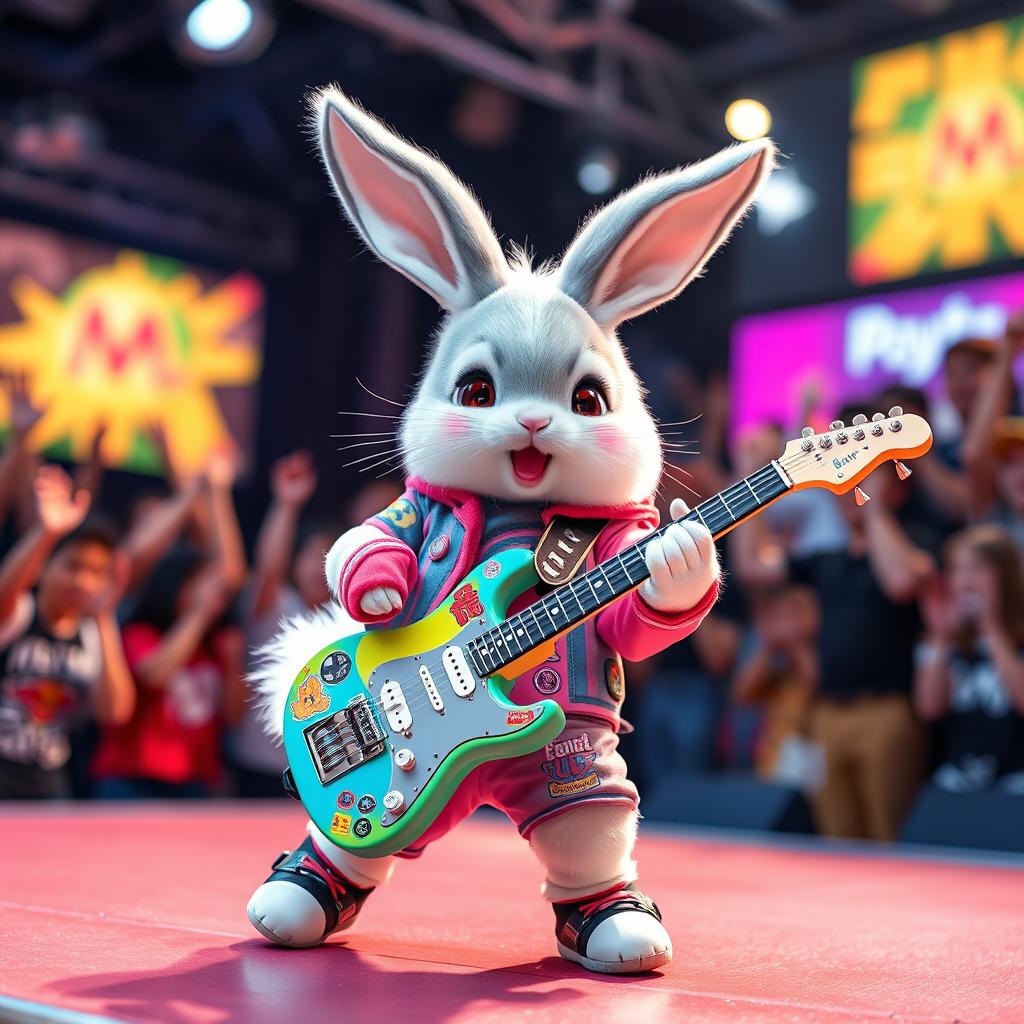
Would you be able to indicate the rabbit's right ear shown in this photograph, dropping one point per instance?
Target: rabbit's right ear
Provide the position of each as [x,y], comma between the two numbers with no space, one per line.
[643,248]
[408,207]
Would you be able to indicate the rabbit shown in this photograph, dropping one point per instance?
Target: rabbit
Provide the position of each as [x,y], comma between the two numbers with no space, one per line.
[527,407]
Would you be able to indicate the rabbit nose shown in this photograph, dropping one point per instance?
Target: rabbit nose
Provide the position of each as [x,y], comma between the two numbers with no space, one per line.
[534,424]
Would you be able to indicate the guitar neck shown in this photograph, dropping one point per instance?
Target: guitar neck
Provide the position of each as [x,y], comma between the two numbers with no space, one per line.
[568,605]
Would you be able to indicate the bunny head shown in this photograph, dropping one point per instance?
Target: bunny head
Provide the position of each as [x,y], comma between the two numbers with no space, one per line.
[528,394]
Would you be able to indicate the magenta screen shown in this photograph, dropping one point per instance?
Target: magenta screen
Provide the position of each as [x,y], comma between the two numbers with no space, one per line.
[849,350]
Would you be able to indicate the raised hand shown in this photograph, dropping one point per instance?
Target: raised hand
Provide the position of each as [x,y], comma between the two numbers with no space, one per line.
[293,479]
[937,609]
[24,415]
[682,562]
[212,592]
[381,601]
[59,506]
[1015,331]
[222,468]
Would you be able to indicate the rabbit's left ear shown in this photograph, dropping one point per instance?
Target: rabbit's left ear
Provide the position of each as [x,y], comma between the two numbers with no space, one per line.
[647,245]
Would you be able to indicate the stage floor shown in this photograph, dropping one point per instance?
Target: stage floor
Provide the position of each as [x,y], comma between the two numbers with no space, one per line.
[137,913]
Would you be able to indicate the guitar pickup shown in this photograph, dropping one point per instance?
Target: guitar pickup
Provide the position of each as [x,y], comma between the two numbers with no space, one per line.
[460,675]
[345,740]
[396,710]
[431,687]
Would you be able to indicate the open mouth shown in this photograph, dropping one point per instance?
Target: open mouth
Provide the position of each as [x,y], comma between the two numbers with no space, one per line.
[529,465]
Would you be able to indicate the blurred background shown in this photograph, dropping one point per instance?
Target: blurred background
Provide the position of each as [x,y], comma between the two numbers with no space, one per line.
[183,314]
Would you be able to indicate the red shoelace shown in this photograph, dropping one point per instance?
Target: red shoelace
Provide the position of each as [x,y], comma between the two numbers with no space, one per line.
[606,899]
[333,881]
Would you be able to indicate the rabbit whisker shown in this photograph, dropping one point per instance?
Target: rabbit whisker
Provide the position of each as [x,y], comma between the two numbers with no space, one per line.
[400,405]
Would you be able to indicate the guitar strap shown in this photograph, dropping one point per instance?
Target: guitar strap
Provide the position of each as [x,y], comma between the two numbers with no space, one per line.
[564,546]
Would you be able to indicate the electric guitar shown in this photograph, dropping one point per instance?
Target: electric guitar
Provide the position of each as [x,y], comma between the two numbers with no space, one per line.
[382,726]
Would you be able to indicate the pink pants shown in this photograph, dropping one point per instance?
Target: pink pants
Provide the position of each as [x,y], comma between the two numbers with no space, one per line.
[583,765]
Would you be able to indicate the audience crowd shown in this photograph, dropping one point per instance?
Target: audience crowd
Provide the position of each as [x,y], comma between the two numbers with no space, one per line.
[858,653]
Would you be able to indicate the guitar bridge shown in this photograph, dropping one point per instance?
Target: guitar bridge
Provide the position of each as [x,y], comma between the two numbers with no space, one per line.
[345,740]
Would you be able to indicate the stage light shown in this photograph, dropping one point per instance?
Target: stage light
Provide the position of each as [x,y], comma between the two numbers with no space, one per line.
[747,119]
[598,170]
[783,199]
[224,31]
[219,24]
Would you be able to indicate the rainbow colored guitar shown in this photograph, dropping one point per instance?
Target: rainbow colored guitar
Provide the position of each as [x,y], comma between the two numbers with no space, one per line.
[382,726]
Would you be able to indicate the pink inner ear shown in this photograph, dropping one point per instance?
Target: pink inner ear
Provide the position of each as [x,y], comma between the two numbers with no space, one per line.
[660,253]
[394,199]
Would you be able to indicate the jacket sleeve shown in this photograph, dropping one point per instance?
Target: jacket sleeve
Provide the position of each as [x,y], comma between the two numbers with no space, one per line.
[383,552]
[632,627]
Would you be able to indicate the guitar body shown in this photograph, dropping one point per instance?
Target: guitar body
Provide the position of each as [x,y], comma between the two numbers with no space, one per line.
[381,727]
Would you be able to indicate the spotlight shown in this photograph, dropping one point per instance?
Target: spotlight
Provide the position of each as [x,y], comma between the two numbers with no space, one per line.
[747,119]
[219,24]
[598,170]
[783,199]
[225,31]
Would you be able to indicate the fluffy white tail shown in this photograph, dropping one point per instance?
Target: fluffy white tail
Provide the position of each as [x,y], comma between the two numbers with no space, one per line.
[281,659]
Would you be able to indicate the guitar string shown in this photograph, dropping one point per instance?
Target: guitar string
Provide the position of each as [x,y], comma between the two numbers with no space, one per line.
[437,671]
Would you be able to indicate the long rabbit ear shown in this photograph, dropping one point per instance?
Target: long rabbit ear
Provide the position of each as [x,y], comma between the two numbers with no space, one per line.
[647,245]
[408,207]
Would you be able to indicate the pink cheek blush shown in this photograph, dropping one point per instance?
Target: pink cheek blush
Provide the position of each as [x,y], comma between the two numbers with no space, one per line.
[609,440]
[454,426]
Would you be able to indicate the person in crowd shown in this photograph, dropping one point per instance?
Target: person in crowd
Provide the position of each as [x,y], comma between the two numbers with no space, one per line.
[935,501]
[781,677]
[188,666]
[287,579]
[862,715]
[971,668]
[985,466]
[60,647]
[967,368]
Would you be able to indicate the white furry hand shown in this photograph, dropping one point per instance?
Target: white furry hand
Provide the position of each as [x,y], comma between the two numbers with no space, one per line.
[381,601]
[682,562]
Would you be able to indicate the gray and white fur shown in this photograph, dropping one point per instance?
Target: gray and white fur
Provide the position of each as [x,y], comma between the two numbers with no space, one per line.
[536,333]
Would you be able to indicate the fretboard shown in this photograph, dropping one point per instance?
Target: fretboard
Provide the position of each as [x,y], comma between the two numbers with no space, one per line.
[587,594]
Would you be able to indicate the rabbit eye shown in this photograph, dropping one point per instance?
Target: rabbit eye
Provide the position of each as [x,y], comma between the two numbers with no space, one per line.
[476,392]
[588,400]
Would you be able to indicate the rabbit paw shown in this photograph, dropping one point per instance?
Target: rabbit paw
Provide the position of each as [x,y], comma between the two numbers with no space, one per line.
[381,601]
[683,564]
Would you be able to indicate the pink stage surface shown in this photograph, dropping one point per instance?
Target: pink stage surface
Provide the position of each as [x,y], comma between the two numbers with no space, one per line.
[137,913]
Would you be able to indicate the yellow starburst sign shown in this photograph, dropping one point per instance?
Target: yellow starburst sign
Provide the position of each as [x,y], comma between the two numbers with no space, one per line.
[937,155]
[128,345]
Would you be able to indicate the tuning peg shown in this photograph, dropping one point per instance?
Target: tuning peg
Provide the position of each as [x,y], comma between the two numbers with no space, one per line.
[878,416]
[896,410]
[836,425]
[807,431]
[902,471]
[862,497]
[859,419]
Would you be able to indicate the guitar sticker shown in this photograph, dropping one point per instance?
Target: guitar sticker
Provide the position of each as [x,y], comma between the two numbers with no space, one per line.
[310,699]
[466,604]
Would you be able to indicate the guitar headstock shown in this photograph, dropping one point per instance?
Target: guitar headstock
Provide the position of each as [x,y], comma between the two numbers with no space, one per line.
[843,456]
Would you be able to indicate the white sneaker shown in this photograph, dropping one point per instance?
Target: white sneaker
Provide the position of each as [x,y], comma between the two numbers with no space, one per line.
[619,932]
